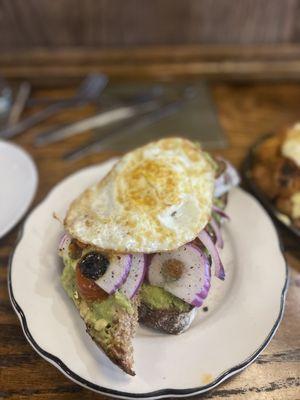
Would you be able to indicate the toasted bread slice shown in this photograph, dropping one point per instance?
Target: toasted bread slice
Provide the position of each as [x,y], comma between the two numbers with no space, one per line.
[119,349]
[111,323]
[161,310]
[170,321]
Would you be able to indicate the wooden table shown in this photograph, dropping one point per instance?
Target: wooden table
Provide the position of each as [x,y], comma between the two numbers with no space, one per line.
[246,111]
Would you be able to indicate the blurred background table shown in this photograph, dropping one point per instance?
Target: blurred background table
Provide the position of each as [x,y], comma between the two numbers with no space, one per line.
[246,110]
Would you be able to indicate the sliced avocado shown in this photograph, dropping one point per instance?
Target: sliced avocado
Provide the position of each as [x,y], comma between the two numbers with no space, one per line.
[111,323]
[68,279]
[157,298]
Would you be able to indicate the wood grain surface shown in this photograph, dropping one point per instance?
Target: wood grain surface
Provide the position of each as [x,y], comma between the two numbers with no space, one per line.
[61,66]
[246,111]
[108,23]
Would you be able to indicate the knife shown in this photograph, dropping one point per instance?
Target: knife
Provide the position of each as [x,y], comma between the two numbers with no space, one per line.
[109,137]
[88,91]
[100,120]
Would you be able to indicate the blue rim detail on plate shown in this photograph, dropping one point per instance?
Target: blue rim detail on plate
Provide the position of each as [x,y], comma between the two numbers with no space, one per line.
[162,393]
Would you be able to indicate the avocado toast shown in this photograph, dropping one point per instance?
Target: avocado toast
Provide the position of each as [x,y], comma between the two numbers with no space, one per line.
[111,321]
[140,244]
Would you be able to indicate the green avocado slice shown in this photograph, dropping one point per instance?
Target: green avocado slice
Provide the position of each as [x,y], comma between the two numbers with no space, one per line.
[157,298]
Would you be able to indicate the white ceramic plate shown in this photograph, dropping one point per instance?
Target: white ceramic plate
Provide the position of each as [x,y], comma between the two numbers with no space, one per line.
[18,179]
[243,312]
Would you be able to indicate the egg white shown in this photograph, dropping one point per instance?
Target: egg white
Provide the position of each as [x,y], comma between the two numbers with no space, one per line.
[156,198]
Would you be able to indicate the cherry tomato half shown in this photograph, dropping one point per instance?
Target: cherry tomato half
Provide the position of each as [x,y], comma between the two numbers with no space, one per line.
[87,288]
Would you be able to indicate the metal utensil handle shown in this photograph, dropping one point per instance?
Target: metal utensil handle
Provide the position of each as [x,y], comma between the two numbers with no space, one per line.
[96,121]
[36,118]
[19,104]
[138,122]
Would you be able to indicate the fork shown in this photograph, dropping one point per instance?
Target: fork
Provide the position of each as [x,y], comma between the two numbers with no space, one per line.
[88,91]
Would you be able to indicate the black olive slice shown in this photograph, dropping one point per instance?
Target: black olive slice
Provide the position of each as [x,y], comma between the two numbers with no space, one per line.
[93,265]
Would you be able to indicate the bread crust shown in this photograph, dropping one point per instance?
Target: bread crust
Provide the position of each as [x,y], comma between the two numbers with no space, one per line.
[120,348]
[169,321]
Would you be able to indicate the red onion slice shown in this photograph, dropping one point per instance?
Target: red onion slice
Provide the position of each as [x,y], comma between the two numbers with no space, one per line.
[193,284]
[217,231]
[64,244]
[116,273]
[136,275]
[227,180]
[220,212]
[209,244]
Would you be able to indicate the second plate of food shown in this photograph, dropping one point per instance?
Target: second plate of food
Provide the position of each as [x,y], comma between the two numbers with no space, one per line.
[235,324]
[271,171]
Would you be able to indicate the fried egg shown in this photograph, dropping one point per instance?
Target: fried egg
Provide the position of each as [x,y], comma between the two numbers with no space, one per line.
[156,198]
[291,145]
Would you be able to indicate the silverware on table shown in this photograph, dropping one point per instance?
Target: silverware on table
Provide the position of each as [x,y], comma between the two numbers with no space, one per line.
[190,112]
[89,90]
[110,136]
[113,115]
[19,104]
[109,97]
[5,100]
